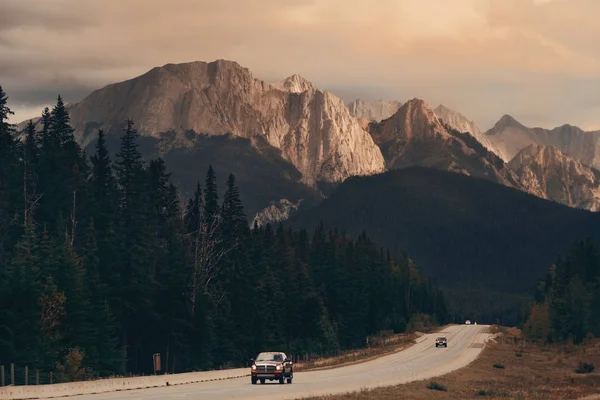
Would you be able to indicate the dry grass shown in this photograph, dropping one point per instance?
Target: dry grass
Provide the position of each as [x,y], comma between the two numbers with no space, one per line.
[382,347]
[540,372]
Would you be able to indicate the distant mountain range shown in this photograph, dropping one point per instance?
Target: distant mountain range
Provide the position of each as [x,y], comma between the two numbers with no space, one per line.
[472,208]
[291,142]
[509,137]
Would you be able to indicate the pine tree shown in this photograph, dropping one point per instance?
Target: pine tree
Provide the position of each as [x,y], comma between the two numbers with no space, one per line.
[46,140]
[103,357]
[136,239]
[6,128]
[234,219]
[104,213]
[60,123]
[10,189]
[211,198]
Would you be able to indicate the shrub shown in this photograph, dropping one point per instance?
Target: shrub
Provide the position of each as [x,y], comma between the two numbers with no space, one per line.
[71,370]
[499,366]
[436,386]
[585,368]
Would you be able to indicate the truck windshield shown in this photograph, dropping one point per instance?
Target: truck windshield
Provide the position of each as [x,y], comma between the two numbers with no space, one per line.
[269,357]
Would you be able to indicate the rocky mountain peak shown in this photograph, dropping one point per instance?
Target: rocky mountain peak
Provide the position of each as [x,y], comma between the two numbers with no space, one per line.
[373,110]
[415,117]
[415,136]
[294,84]
[505,122]
[459,122]
[559,177]
[313,131]
[540,154]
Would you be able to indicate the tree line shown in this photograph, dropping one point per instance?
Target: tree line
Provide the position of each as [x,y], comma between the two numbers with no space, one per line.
[568,299]
[103,265]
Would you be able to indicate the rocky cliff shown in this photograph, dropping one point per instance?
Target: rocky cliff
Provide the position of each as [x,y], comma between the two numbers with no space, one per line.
[459,122]
[414,136]
[561,178]
[313,129]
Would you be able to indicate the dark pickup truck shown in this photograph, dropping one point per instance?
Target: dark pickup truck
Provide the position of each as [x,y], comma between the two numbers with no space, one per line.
[273,366]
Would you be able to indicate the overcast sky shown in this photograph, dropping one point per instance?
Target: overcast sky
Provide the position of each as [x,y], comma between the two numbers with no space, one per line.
[538,60]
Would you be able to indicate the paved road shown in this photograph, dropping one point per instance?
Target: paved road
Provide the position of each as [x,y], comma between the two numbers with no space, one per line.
[421,361]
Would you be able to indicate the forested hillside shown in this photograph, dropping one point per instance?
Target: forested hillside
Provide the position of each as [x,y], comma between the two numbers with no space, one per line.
[487,244]
[568,300]
[100,258]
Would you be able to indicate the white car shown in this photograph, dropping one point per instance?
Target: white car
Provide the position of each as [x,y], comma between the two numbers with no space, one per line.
[468,322]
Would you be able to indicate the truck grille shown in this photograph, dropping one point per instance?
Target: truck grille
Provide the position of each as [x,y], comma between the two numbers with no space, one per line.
[265,368]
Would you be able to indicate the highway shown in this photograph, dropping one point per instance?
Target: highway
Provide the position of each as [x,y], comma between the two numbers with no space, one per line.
[420,361]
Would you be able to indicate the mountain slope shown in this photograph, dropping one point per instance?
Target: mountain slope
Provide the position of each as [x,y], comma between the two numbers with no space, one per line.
[560,177]
[262,175]
[508,137]
[459,122]
[414,136]
[313,129]
[373,110]
[476,237]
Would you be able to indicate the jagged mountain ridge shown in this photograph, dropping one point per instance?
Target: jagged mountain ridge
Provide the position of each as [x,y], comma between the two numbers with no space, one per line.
[373,110]
[414,136]
[459,122]
[312,128]
[509,136]
[562,178]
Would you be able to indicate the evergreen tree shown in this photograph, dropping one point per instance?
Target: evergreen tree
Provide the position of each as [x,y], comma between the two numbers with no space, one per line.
[211,199]
[134,308]
[566,300]
[9,181]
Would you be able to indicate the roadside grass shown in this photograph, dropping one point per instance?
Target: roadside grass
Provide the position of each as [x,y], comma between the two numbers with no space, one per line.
[529,372]
[379,346]
[389,345]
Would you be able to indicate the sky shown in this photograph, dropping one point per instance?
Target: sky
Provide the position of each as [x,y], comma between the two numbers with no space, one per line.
[537,60]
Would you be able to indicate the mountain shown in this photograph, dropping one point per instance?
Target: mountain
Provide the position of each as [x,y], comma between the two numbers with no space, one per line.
[508,137]
[414,136]
[562,178]
[482,241]
[261,174]
[311,128]
[294,84]
[373,110]
[459,122]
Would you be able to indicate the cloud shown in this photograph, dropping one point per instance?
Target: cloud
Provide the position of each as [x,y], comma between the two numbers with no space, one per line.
[484,57]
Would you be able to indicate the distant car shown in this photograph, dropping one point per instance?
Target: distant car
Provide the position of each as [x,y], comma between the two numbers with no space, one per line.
[273,366]
[467,322]
[441,341]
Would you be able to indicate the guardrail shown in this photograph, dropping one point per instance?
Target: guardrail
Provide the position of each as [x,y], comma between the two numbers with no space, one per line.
[116,384]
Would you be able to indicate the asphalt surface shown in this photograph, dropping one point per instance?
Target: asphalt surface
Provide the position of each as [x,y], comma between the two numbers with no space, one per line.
[420,361]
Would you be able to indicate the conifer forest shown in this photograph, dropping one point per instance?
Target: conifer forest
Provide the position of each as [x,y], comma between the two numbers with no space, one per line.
[102,260]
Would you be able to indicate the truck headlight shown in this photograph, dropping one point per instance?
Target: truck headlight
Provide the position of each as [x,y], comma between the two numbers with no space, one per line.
[278,367]
[253,368]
